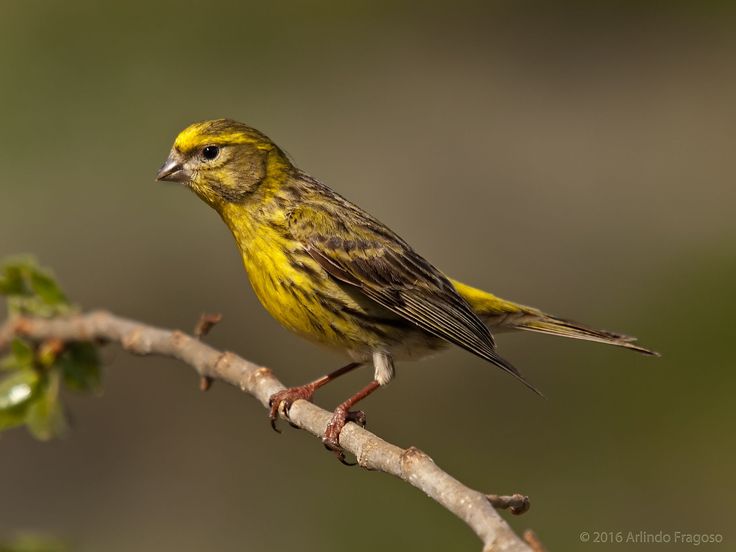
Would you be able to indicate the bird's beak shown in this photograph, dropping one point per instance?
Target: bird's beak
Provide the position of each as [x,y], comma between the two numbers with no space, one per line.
[172,170]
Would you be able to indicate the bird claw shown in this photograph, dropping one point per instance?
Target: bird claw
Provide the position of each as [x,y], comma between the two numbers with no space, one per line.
[281,402]
[331,437]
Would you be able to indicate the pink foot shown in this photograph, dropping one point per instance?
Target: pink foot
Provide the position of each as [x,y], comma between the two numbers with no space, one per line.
[285,398]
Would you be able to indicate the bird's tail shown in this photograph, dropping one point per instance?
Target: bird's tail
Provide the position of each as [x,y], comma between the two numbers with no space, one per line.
[502,315]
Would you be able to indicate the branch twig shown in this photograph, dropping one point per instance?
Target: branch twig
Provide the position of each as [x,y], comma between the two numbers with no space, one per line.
[531,538]
[517,504]
[206,322]
[372,452]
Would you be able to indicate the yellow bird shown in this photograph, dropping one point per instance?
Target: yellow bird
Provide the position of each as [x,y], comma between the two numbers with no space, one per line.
[332,273]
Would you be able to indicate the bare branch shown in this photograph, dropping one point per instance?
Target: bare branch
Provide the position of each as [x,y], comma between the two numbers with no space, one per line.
[372,452]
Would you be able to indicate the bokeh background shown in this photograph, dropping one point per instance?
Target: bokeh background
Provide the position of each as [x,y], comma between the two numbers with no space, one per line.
[576,159]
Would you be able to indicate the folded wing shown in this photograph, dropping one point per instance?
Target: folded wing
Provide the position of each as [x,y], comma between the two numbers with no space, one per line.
[359,251]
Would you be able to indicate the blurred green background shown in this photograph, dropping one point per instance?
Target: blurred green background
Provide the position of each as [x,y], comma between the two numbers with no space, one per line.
[577,160]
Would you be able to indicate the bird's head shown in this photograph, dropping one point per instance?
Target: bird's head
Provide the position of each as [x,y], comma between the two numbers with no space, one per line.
[222,161]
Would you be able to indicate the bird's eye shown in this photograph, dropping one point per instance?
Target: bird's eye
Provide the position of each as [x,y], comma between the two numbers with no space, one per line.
[210,152]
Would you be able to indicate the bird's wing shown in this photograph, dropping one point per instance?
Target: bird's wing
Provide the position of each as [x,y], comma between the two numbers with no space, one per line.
[358,250]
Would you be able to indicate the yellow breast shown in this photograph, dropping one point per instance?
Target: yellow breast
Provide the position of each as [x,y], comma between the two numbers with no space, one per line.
[292,287]
[283,289]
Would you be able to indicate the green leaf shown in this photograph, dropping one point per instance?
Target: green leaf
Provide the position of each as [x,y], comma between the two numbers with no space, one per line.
[80,366]
[17,393]
[12,418]
[22,352]
[18,389]
[20,357]
[45,415]
[46,288]
[30,289]
[11,280]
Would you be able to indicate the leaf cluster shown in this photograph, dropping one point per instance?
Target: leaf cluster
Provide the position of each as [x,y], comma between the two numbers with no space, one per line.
[33,374]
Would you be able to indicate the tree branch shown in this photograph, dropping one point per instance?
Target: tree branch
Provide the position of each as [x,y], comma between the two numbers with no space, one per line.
[372,452]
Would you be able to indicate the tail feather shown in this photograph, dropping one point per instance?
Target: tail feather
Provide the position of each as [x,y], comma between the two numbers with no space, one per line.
[552,325]
[501,315]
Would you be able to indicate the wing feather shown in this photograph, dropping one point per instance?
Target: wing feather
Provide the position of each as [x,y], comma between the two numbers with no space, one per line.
[358,250]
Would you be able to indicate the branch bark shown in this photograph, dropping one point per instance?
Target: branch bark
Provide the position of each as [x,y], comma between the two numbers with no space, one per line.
[372,452]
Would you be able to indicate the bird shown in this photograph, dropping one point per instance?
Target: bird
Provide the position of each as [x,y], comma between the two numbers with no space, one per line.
[332,273]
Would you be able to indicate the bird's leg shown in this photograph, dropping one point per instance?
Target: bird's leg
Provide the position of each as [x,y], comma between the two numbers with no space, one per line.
[289,396]
[343,415]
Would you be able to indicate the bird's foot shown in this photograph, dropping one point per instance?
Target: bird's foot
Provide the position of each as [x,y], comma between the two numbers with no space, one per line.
[331,438]
[281,401]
